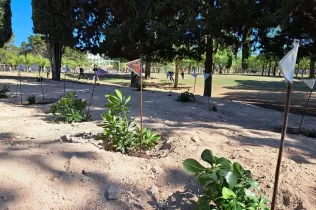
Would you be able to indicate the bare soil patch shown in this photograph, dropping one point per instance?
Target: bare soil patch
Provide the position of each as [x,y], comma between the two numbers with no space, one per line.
[38,171]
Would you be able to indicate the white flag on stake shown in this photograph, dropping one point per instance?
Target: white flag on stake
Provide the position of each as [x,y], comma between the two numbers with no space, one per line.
[194,75]
[21,67]
[287,64]
[206,76]
[35,67]
[310,83]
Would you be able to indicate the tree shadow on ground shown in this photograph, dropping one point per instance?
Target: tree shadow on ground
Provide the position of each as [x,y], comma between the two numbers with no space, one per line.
[181,199]
[41,164]
[267,85]
[275,100]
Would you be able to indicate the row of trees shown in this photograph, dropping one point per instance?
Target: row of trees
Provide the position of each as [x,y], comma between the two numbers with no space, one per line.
[35,51]
[166,30]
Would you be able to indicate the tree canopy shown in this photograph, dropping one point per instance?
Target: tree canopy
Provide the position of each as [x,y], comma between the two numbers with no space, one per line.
[5,21]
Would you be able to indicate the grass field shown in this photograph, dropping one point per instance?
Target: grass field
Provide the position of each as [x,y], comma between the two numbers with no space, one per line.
[236,82]
[245,82]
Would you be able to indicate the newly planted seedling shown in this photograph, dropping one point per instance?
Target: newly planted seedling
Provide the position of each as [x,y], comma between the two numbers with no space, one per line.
[226,185]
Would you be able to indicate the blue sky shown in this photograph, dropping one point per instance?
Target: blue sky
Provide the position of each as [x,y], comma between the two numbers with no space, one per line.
[22,23]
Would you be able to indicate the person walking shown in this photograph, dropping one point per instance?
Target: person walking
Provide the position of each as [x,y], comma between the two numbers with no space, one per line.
[95,70]
[182,73]
[82,74]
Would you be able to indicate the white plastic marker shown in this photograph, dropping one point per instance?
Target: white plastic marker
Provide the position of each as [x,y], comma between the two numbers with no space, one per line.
[35,67]
[65,71]
[195,76]
[310,83]
[287,65]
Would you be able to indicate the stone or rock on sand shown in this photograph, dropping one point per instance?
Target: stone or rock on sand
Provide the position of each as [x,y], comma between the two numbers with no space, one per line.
[152,190]
[114,192]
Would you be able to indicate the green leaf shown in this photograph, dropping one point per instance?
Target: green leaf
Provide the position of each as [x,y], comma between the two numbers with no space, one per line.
[228,193]
[230,179]
[238,170]
[251,194]
[128,99]
[254,184]
[224,162]
[119,94]
[192,166]
[208,157]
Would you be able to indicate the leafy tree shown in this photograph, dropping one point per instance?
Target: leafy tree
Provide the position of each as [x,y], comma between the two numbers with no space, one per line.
[55,19]
[37,45]
[5,21]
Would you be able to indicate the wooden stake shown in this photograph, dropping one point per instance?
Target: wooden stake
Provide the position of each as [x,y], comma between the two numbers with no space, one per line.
[20,87]
[17,84]
[194,85]
[310,94]
[65,84]
[95,82]
[284,128]
[41,79]
[141,114]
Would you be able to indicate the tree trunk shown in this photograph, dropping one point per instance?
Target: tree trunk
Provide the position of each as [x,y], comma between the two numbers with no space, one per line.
[269,71]
[190,68]
[312,67]
[263,67]
[133,79]
[176,74]
[55,59]
[274,68]
[208,67]
[147,69]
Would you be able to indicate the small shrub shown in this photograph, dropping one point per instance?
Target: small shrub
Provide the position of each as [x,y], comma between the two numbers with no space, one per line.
[31,99]
[4,90]
[149,138]
[120,132]
[226,185]
[186,97]
[69,109]
[214,108]
[305,132]
[138,84]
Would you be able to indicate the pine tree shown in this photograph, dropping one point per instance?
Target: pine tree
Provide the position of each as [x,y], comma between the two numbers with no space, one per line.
[5,21]
[55,19]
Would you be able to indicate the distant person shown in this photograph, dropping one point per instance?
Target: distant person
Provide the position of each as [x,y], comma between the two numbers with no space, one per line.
[95,70]
[170,74]
[82,74]
[182,73]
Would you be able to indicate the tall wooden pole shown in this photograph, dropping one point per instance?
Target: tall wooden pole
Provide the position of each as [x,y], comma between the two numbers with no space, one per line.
[141,114]
[194,85]
[284,128]
[65,84]
[310,94]
[20,87]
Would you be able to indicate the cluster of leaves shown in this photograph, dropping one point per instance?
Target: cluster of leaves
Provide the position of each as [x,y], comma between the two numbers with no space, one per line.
[69,109]
[186,97]
[226,185]
[31,99]
[120,132]
[308,133]
[4,90]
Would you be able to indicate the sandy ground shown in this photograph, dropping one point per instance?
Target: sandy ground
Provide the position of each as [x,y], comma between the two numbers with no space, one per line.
[39,172]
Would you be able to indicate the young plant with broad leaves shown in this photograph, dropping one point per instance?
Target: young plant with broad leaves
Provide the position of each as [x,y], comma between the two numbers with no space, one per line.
[227,186]
[3,91]
[121,132]
[69,109]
